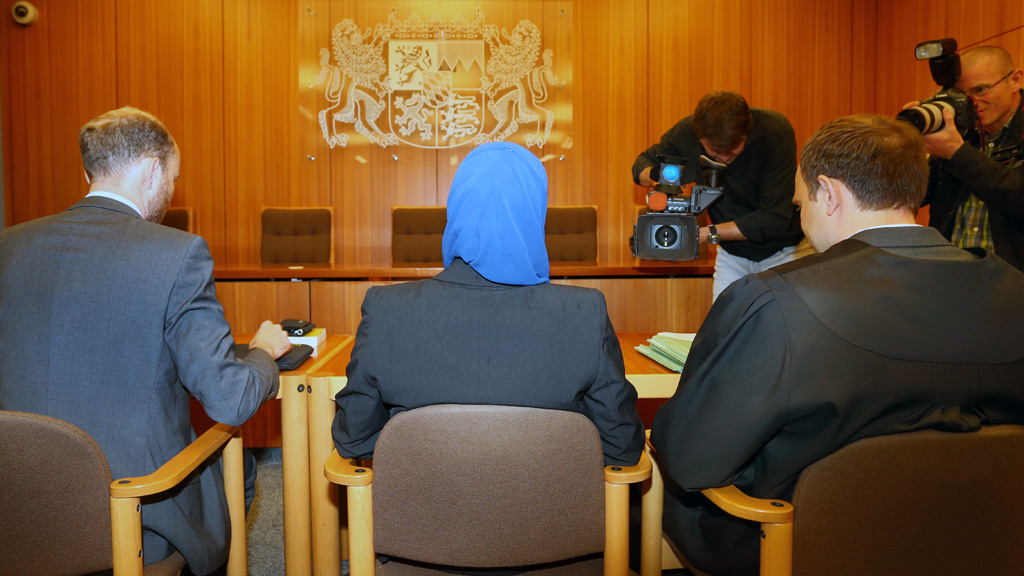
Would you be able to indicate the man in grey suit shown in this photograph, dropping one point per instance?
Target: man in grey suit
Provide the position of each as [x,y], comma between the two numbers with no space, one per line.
[109,321]
[888,329]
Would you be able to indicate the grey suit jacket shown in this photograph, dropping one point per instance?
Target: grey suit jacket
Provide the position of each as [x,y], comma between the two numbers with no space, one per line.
[893,330]
[109,322]
[461,339]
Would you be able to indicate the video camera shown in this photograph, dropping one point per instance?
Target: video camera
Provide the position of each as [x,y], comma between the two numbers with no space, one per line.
[944,63]
[669,231]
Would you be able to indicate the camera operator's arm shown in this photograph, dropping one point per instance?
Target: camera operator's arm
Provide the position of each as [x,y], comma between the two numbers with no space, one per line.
[727,232]
[999,186]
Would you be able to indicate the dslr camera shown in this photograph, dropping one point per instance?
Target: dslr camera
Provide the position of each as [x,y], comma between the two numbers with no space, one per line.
[944,63]
[669,231]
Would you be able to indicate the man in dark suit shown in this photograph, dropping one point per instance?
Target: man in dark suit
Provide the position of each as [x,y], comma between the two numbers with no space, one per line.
[889,329]
[109,321]
[490,328]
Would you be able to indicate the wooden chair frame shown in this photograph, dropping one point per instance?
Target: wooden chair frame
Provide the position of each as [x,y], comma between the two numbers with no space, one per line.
[126,494]
[357,476]
[775,516]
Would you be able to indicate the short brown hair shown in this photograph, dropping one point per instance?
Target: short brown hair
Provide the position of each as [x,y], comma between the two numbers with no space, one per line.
[880,159]
[723,118]
[114,141]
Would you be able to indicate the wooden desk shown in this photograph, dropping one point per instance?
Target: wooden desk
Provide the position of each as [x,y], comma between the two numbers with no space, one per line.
[642,295]
[652,380]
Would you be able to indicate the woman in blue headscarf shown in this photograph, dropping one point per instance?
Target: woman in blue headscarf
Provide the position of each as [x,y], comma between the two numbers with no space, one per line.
[496,212]
[490,328]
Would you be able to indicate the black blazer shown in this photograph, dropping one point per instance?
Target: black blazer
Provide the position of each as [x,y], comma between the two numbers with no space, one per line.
[461,339]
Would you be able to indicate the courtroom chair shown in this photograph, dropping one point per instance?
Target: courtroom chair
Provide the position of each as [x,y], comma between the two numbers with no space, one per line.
[480,486]
[416,233]
[297,236]
[60,514]
[180,218]
[570,233]
[925,502]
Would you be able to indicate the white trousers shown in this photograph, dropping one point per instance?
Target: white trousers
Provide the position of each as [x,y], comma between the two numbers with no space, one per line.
[729,268]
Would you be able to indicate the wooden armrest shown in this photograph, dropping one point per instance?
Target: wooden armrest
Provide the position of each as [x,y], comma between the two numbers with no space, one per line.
[732,500]
[348,471]
[629,474]
[176,469]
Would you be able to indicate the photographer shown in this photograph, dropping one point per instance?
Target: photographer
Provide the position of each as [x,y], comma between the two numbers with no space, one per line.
[755,220]
[976,191]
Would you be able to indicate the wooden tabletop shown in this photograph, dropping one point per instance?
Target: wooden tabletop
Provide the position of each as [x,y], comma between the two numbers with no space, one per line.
[652,380]
[628,268]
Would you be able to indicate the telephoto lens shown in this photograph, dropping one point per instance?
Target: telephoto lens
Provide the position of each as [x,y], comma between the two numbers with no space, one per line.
[927,117]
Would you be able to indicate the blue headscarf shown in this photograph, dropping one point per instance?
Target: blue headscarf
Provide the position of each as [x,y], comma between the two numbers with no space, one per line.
[496,212]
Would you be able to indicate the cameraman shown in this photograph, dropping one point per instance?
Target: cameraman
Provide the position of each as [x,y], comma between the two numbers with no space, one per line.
[755,219]
[976,191]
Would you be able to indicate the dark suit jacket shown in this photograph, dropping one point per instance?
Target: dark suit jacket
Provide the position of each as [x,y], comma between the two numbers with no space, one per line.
[460,339]
[108,321]
[895,332]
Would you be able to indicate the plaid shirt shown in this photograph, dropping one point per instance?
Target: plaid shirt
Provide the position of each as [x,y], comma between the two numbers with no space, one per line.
[972,229]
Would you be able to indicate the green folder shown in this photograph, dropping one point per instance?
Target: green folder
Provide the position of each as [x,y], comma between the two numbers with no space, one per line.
[668,349]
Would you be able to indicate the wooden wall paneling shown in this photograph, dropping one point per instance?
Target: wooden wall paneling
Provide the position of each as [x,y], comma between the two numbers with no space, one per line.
[314,33]
[366,178]
[863,56]
[666,304]
[337,306]
[262,151]
[610,64]
[809,54]
[248,304]
[7,192]
[562,154]
[170,60]
[58,74]
[902,25]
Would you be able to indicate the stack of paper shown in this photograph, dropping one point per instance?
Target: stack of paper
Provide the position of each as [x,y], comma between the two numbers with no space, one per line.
[314,338]
[669,349]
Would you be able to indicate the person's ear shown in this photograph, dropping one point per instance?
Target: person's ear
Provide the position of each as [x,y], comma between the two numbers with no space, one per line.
[831,193]
[87,180]
[152,173]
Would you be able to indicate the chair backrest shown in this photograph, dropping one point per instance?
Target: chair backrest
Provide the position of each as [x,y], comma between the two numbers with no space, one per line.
[54,498]
[297,236]
[416,233]
[180,218]
[488,486]
[571,233]
[925,502]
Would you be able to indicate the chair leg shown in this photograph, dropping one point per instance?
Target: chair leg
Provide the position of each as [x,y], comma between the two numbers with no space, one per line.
[324,499]
[616,511]
[126,535]
[298,557]
[360,523]
[777,549]
[650,532]
[234,487]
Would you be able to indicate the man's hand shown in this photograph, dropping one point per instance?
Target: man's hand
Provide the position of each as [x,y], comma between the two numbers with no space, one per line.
[645,178]
[271,339]
[945,142]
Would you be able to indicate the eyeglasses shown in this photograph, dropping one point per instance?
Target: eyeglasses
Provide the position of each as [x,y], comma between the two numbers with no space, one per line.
[983,89]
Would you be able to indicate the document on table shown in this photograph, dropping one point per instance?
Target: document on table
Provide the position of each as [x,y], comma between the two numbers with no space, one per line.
[669,349]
